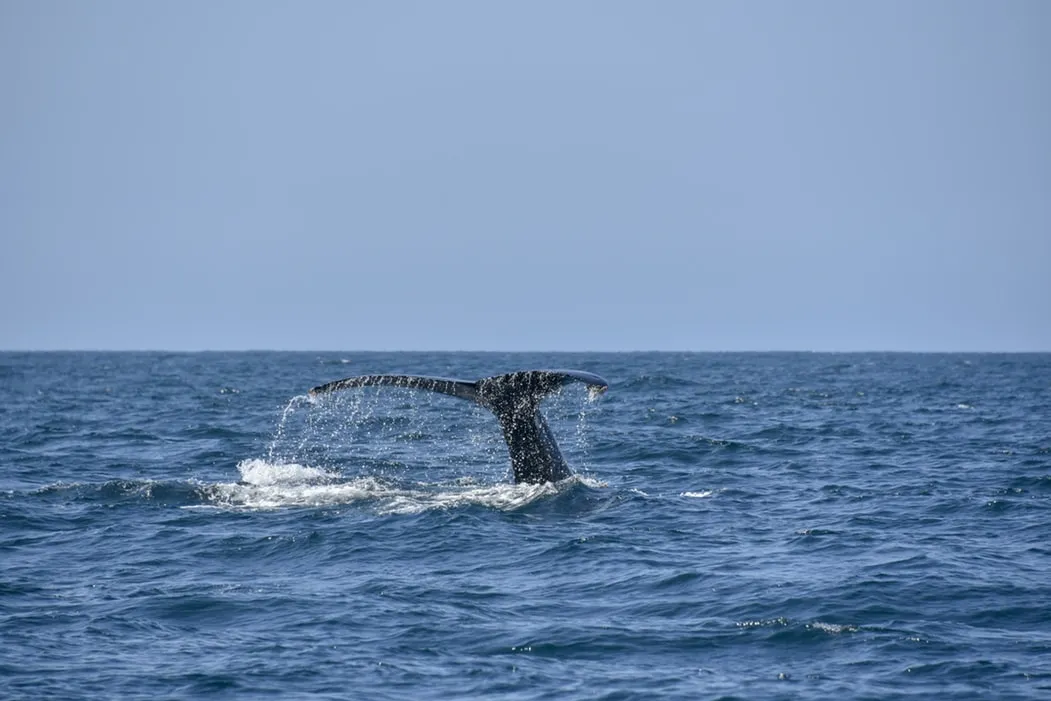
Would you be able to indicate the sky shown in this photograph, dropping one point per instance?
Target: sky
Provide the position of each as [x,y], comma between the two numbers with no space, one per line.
[352,175]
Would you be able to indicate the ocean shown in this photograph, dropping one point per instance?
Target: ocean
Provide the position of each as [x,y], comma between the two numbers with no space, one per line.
[739,526]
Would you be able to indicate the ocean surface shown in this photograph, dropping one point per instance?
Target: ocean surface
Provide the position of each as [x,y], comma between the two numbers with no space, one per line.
[740,525]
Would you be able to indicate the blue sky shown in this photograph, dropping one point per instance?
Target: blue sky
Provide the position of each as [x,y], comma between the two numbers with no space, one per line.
[525,176]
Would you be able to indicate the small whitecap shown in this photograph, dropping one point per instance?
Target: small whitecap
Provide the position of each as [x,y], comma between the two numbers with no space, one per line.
[831,628]
[698,495]
[763,623]
[964,406]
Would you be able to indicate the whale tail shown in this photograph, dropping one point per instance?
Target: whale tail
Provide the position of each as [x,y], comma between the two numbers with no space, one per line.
[515,400]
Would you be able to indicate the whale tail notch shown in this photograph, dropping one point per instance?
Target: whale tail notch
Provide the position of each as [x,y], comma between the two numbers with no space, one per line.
[515,400]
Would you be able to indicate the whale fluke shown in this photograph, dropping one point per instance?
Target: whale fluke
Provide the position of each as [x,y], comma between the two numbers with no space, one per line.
[515,400]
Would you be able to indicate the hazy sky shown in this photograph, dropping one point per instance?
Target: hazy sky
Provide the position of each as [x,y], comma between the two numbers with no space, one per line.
[525,176]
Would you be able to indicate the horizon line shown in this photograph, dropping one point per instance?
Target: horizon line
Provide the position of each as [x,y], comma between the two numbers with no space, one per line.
[520,351]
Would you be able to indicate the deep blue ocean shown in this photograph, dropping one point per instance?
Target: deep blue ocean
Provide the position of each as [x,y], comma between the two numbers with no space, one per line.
[740,525]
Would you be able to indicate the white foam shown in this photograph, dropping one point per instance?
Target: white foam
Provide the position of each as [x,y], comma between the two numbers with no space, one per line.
[266,485]
[831,628]
[698,495]
[587,481]
[284,495]
[260,472]
[503,497]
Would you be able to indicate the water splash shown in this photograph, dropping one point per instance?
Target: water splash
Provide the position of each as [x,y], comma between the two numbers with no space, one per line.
[263,473]
[279,433]
[399,433]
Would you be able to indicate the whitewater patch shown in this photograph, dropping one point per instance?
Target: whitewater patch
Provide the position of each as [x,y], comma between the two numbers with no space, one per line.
[274,485]
[262,473]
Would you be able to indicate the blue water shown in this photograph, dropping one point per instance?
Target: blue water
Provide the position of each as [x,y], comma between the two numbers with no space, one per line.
[745,526]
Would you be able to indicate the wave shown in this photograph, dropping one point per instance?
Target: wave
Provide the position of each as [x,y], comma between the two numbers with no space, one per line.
[120,491]
[266,485]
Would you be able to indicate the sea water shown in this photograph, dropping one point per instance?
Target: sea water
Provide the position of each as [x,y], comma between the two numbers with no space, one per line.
[740,525]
